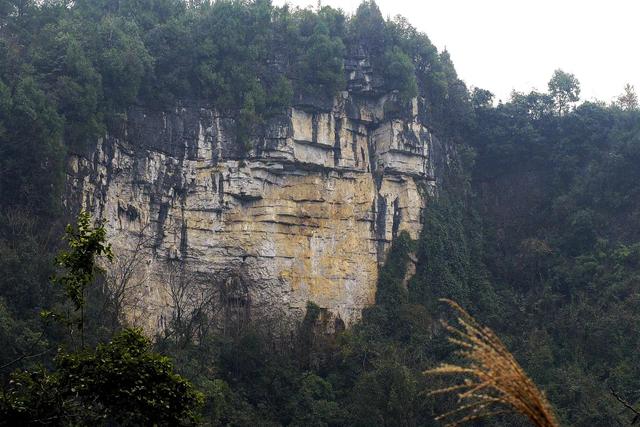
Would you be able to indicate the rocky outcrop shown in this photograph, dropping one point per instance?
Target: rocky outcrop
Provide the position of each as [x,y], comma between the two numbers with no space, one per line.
[305,215]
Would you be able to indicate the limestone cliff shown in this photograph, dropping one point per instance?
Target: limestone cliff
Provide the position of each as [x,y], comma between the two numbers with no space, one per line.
[305,215]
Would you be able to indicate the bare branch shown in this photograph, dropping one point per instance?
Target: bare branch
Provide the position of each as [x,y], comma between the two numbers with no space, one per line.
[626,404]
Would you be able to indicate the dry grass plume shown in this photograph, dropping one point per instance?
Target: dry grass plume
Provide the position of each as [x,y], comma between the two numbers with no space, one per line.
[493,381]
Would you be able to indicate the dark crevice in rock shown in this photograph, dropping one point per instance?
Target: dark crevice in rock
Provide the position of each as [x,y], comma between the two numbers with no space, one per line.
[130,212]
[246,198]
[374,216]
[109,149]
[381,225]
[397,218]
[354,148]
[314,128]
[236,302]
[163,213]
[183,239]
[214,184]
[377,175]
[337,150]
[221,189]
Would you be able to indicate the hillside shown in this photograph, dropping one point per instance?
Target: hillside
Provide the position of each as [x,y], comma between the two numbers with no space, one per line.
[288,193]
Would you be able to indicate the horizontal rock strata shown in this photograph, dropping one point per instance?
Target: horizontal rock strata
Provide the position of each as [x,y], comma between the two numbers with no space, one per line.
[305,215]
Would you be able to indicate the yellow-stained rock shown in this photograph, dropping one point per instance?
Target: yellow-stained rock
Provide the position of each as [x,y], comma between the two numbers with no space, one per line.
[306,216]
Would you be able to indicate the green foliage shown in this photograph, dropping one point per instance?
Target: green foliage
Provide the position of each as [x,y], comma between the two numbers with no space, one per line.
[134,385]
[481,98]
[557,206]
[564,88]
[19,337]
[628,100]
[534,227]
[315,403]
[66,71]
[31,130]
[249,59]
[122,382]
[445,270]
[391,291]
[122,53]
[387,395]
[321,63]
[399,73]
[86,244]
[368,27]
[26,263]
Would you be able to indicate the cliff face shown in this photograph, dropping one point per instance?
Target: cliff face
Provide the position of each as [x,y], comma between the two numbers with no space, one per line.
[304,215]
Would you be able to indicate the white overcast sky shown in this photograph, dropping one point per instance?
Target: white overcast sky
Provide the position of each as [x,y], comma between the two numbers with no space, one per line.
[502,45]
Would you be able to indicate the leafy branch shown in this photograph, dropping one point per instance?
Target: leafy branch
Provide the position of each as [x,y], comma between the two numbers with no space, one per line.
[86,243]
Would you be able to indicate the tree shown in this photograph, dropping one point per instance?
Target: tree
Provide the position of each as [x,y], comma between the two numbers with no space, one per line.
[86,243]
[564,88]
[121,382]
[385,395]
[123,281]
[122,53]
[368,27]
[30,148]
[481,98]
[628,100]
[534,105]
[194,306]
[399,73]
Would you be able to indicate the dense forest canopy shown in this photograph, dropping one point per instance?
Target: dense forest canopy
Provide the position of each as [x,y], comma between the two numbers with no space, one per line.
[70,68]
[535,229]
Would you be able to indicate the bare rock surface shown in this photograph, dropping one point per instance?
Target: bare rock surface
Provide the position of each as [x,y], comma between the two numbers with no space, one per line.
[305,215]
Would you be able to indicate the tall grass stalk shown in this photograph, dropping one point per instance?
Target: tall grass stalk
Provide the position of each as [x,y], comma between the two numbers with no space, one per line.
[492,380]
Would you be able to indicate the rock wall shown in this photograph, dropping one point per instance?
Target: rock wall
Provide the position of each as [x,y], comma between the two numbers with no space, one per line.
[306,215]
